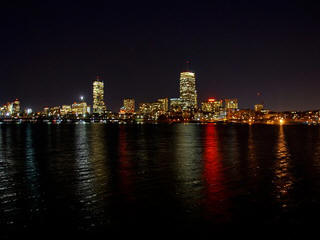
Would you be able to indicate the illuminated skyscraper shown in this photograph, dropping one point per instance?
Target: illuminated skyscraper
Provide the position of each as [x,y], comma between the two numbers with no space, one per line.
[188,93]
[98,96]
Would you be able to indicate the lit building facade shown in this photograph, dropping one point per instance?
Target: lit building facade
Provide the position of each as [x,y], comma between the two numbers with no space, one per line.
[211,106]
[80,108]
[164,104]
[6,110]
[16,107]
[46,111]
[54,111]
[11,109]
[176,104]
[65,109]
[188,93]
[98,96]
[145,108]
[258,107]
[154,109]
[212,110]
[149,108]
[128,105]
[231,104]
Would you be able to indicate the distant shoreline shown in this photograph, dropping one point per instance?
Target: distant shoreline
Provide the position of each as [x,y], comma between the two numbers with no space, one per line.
[121,122]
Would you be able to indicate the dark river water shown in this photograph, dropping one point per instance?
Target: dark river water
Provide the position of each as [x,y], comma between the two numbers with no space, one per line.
[96,176]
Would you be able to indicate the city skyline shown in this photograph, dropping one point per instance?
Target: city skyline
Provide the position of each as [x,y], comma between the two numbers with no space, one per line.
[185,81]
[236,49]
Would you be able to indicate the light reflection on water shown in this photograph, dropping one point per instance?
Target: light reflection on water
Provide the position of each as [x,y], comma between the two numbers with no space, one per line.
[95,176]
[125,164]
[283,178]
[216,191]
[92,174]
[32,176]
[188,165]
[252,153]
[85,176]
[8,192]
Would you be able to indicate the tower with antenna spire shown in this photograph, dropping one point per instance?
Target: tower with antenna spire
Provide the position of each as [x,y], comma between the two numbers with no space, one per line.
[99,106]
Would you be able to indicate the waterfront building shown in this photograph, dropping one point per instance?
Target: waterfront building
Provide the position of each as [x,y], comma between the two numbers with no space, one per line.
[144,108]
[10,109]
[258,107]
[128,105]
[98,96]
[149,108]
[154,109]
[7,109]
[211,106]
[164,104]
[176,104]
[188,93]
[213,110]
[80,108]
[231,104]
[46,111]
[65,109]
[16,107]
[242,114]
[54,111]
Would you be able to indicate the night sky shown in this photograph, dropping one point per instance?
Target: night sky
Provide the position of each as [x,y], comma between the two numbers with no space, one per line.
[51,52]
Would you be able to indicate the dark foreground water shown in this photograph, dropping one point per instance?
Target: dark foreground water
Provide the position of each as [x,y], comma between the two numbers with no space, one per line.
[96,177]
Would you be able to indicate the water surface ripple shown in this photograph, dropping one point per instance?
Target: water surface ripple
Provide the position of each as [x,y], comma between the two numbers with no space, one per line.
[96,176]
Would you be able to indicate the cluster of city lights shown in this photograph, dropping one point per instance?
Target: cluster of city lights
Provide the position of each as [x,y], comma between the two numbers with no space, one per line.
[185,108]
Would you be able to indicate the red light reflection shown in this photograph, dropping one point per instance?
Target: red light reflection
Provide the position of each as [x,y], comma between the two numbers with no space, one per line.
[125,165]
[216,192]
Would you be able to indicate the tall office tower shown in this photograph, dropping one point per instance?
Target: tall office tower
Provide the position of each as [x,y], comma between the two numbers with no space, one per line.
[231,104]
[129,105]
[98,96]
[188,93]
[164,104]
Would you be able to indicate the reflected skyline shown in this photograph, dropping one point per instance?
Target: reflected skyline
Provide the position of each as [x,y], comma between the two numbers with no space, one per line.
[97,176]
